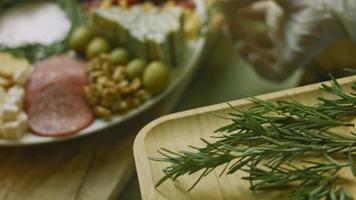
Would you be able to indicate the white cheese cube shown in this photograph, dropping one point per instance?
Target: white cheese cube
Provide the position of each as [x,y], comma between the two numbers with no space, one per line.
[12,130]
[23,120]
[16,91]
[21,75]
[14,100]
[9,112]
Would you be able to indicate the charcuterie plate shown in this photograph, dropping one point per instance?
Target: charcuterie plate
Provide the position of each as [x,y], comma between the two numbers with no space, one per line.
[179,75]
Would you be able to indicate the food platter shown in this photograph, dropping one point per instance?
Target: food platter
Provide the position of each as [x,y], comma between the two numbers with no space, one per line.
[180,76]
[99,125]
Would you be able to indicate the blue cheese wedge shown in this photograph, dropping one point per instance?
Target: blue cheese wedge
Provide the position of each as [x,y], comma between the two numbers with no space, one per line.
[155,34]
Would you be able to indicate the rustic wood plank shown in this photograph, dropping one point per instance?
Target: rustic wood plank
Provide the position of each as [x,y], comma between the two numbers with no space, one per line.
[92,168]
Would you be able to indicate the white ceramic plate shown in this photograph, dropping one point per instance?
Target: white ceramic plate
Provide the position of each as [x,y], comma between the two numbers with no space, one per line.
[192,55]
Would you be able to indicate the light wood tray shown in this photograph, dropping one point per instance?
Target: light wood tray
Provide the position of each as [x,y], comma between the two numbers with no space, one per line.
[177,131]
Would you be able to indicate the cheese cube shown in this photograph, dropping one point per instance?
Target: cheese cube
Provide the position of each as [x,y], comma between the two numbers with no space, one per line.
[16,91]
[12,130]
[9,112]
[14,100]
[21,75]
[23,120]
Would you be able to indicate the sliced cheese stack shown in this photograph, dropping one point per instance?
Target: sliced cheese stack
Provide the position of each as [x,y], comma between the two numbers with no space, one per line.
[13,119]
[155,34]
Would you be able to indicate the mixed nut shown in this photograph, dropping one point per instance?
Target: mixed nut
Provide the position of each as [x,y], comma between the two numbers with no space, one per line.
[115,89]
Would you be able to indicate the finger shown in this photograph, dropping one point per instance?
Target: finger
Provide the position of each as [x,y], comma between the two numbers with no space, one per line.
[262,65]
[235,32]
[261,39]
[239,2]
[247,47]
[294,5]
[241,31]
[255,11]
[275,17]
[265,63]
[252,10]
[267,68]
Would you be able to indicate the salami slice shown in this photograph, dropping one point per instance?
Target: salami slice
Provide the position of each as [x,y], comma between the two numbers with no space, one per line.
[59,109]
[57,69]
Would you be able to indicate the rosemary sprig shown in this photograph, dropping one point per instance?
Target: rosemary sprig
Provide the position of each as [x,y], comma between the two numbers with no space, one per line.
[316,181]
[270,138]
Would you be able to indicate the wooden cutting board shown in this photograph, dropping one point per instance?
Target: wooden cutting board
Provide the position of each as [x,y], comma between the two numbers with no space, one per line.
[175,132]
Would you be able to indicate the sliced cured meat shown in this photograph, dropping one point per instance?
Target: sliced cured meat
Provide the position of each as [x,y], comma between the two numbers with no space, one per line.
[57,69]
[59,109]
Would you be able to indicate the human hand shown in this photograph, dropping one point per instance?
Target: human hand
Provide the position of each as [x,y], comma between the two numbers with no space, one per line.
[296,32]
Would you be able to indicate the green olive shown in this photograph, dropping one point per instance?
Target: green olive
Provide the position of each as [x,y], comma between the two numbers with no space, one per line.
[135,68]
[119,56]
[155,77]
[96,47]
[80,38]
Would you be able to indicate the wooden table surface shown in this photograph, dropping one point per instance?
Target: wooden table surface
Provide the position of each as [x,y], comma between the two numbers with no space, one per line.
[89,168]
